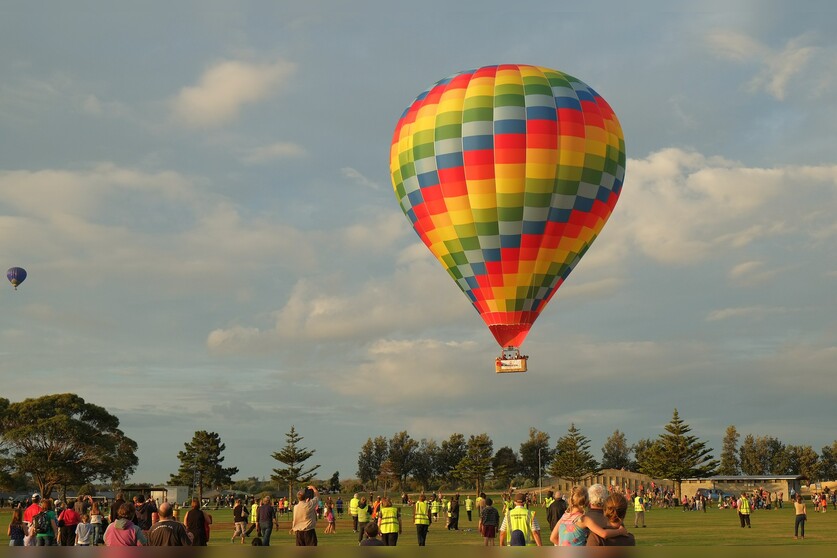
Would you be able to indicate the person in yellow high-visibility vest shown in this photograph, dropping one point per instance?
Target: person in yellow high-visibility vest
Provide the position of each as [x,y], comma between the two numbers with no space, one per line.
[353,511]
[519,525]
[744,510]
[435,507]
[364,516]
[389,522]
[639,510]
[421,513]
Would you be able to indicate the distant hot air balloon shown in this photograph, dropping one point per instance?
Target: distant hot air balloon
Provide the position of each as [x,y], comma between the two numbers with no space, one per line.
[16,276]
[508,174]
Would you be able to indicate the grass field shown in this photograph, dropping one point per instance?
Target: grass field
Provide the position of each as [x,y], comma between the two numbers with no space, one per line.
[671,527]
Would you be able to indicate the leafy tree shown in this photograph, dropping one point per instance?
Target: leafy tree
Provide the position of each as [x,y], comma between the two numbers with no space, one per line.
[616,453]
[677,455]
[529,454]
[401,450]
[334,482]
[573,460]
[730,464]
[804,461]
[387,476]
[641,451]
[201,463]
[371,457]
[63,440]
[423,459]
[450,454]
[752,462]
[828,461]
[294,457]
[505,466]
[777,459]
[476,465]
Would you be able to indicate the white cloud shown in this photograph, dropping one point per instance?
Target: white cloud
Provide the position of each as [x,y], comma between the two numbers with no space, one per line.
[355,176]
[279,150]
[752,273]
[752,312]
[778,67]
[225,88]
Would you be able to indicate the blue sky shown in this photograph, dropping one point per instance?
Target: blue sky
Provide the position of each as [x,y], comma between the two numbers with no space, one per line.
[200,193]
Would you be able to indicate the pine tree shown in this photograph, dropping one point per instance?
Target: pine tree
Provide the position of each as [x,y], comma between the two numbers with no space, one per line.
[572,459]
[294,457]
[476,464]
[730,464]
[676,455]
[201,463]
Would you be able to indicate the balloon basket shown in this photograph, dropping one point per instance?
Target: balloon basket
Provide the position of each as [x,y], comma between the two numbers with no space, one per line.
[511,361]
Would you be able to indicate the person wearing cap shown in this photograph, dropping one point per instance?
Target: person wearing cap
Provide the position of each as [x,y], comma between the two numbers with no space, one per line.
[31,511]
[519,525]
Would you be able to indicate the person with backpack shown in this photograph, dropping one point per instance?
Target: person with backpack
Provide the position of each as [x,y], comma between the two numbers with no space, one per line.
[45,524]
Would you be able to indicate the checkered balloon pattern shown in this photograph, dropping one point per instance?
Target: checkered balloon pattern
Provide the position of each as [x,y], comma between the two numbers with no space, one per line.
[508,174]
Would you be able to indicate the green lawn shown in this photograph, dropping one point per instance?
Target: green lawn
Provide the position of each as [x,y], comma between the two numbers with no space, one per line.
[665,528]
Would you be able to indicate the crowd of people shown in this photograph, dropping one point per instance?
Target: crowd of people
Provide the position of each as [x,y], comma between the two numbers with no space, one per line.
[587,516]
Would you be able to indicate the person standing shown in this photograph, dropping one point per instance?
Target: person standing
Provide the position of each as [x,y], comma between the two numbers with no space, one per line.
[421,513]
[266,514]
[353,503]
[489,521]
[744,510]
[519,525]
[239,520]
[389,522]
[597,495]
[801,517]
[30,512]
[114,508]
[305,517]
[254,519]
[96,523]
[615,509]
[197,524]
[364,516]
[555,510]
[453,514]
[469,507]
[123,532]
[68,520]
[46,524]
[168,531]
[339,505]
[16,529]
[639,510]
[480,504]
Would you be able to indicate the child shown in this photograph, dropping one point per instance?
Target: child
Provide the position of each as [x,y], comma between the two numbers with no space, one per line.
[84,531]
[330,518]
[16,529]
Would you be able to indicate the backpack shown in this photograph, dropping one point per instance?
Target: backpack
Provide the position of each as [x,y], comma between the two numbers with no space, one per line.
[42,523]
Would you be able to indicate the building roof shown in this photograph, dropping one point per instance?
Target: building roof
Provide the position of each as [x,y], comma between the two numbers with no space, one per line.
[722,478]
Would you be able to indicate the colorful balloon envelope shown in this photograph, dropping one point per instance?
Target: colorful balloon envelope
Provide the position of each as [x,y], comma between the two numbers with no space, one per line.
[16,276]
[508,174]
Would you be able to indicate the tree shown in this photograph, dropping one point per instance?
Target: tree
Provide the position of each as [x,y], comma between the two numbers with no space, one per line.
[616,453]
[334,482]
[730,464]
[679,455]
[371,457]
[201,463]
[643,450]
[751,461]
[572,458]
[538,442]
[450,454]
[476,464]
[828,461]
[423,459]
[293,456]
[63,440]
[505,466]
[401,450]
[804,461]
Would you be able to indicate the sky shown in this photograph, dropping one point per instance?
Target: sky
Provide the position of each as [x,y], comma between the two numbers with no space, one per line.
[200,193]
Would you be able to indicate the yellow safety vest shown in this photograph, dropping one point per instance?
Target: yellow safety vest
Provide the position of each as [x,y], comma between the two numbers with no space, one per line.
[389,520]
[254,513]
[421,514]
[638,505]
[364,513]
[548,501]
[435,506]
[353,506]
[469,504]
[744,509]
[519,519]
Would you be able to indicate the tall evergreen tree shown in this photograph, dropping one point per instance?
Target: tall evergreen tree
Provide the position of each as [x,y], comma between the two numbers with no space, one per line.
[828,461]
[730,464]
[616,453]
[804,461]
[201,463]
[679,455]
[538,442]
[505,466]
[572,458]
[476,465]
[752,462]
[294,457]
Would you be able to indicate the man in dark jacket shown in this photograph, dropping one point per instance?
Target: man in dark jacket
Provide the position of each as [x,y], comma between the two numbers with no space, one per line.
[167,531]
[555,510]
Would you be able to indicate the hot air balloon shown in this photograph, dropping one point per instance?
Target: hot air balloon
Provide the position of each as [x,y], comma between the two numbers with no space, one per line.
[508,174]
[16,276]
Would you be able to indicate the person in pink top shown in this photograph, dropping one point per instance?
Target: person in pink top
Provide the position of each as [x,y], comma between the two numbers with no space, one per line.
[123,532]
